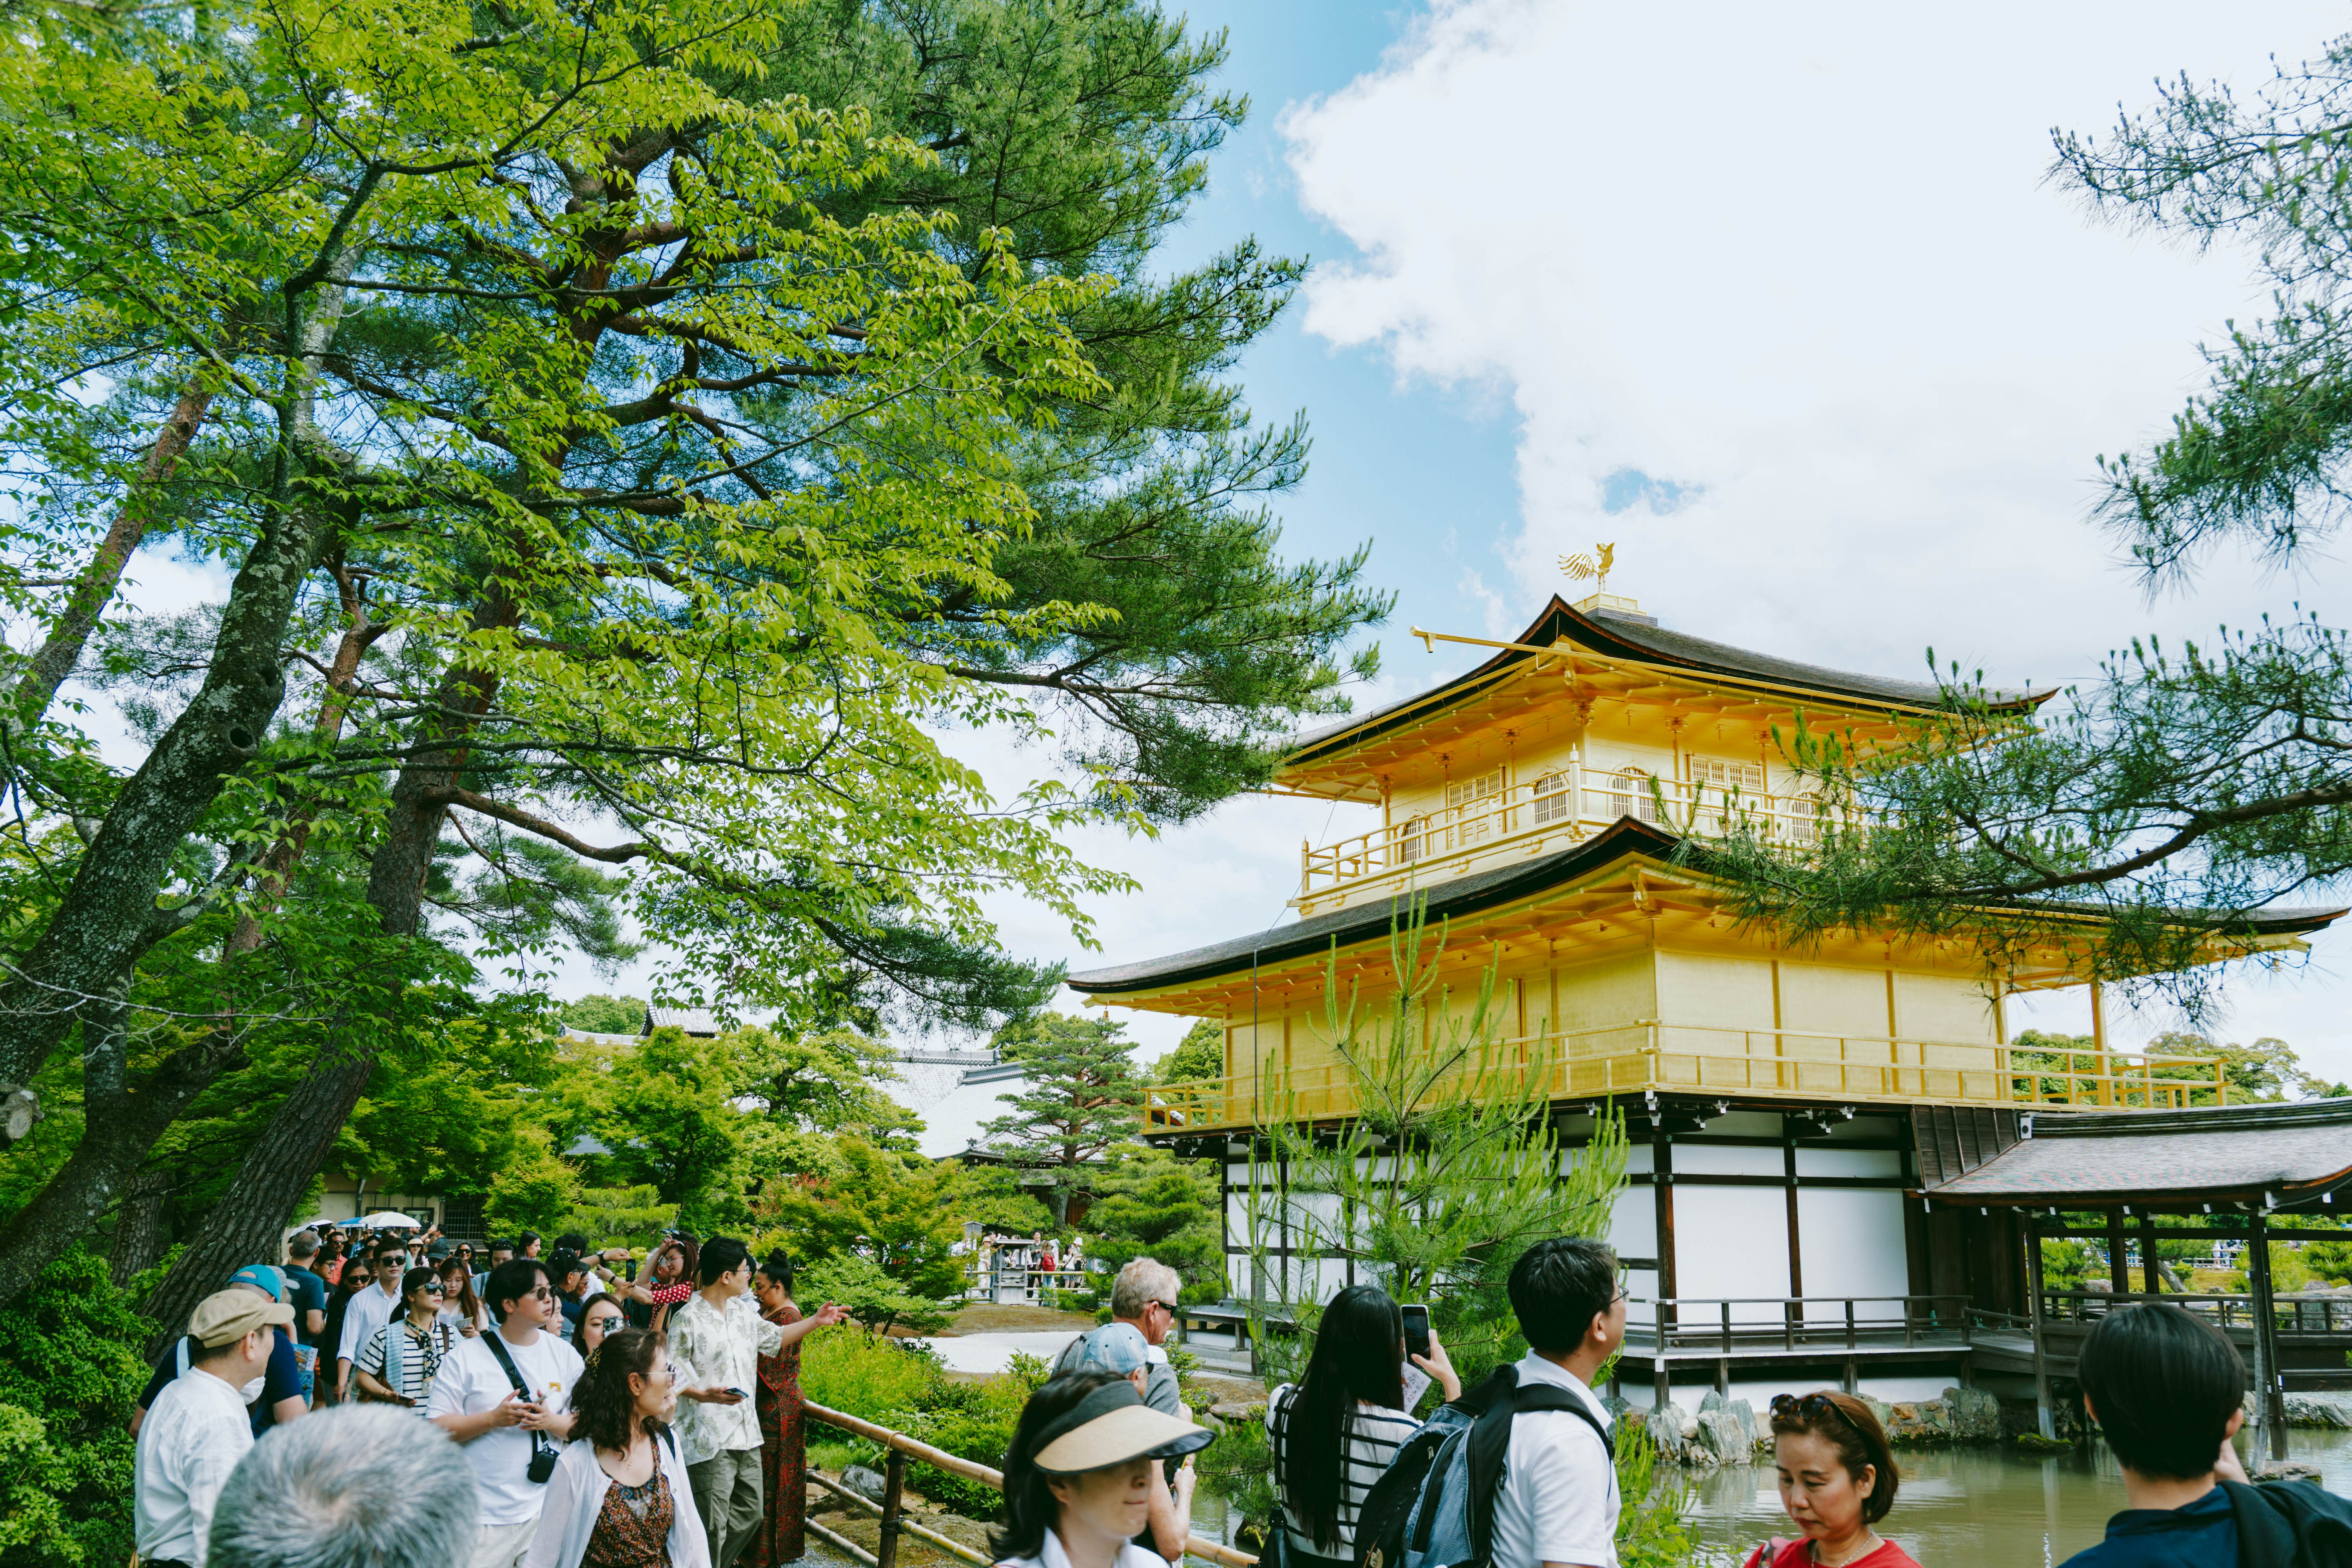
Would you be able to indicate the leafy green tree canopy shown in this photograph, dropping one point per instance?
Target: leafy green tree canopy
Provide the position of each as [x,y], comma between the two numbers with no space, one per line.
[597,1014]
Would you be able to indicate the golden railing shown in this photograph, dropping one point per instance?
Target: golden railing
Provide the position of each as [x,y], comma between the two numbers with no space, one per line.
[1648,1054]
[1570,803]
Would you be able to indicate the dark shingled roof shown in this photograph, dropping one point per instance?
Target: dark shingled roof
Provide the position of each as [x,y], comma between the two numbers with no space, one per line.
[1484,890]
[2158,1157]
[1456,896]
[1614,634]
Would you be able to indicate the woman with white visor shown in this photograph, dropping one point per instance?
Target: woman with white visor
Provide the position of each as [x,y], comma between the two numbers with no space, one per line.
[1081,1472]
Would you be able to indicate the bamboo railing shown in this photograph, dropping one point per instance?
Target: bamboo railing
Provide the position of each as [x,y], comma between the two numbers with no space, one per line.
[891,1509]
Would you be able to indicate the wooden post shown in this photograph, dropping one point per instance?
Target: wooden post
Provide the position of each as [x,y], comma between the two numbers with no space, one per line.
[2270,1400]
[2151,1275]
[893,1492]
[2106,1093]
[2118,1264]
[2045,1419]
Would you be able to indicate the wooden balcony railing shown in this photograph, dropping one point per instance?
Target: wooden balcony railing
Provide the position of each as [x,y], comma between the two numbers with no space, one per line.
[2320,1316]
[1648,1054]
[1797,1323]
[897,1449]
[1568,804]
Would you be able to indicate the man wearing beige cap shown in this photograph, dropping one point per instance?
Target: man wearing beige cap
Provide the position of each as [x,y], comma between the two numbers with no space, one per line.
[198,1429]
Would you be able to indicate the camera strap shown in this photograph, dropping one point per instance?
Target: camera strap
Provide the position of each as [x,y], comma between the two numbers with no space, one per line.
[497,1344]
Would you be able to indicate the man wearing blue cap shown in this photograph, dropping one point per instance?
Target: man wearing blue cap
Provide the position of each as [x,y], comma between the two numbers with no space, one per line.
[1121,1348]
[271,1399]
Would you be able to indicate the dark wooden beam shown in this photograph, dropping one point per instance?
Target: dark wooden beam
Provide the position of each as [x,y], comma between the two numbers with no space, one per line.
[1796,1245]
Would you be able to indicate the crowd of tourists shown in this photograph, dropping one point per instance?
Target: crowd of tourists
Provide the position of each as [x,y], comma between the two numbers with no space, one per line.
[360,1405]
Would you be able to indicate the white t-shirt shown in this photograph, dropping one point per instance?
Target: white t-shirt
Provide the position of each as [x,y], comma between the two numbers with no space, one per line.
[1557,1502]
[471,1382]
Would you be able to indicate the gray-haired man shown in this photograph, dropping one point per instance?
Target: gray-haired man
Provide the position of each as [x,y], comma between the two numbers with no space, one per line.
[1145,1295]
[348,1487]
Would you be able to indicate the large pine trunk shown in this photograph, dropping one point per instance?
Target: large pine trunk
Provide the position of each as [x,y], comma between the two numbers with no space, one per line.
[138,1229]
[248,1224]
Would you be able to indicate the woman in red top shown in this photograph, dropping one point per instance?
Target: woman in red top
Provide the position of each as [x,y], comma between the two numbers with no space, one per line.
[1837,1480]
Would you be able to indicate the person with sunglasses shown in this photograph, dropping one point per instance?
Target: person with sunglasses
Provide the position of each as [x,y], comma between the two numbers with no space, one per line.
[513,1435]
[397,1364]
[1144,1294]
[1837,1480]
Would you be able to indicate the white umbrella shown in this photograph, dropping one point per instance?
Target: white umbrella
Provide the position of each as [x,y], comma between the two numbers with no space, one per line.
[388,1219]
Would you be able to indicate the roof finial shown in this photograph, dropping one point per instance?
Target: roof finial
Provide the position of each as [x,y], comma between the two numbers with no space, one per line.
[1594,566]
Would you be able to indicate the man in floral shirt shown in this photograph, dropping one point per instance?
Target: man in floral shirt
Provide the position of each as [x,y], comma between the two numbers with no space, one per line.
[719,1336]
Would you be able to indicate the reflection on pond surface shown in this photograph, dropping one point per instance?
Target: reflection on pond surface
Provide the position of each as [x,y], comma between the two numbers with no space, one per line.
[1958,1506]
[1981,1505]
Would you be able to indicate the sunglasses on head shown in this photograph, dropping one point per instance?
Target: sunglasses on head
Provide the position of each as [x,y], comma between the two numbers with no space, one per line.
[1806,1407]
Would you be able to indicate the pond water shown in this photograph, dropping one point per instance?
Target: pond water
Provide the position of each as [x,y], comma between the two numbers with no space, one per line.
[1973,1505]
[1957,1506]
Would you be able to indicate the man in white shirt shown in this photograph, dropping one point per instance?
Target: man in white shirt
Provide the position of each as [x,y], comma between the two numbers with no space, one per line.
[197,1429]
[1558,1503]
[369,1310]
[476,1402]
[719,1334]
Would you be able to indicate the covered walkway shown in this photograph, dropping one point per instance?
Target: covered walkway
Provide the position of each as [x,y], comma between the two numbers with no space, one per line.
[2246,1173]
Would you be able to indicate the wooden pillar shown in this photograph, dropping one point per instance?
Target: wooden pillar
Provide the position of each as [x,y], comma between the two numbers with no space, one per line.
[2118,1266]
[2270,1398]
[2099,1044]
[1661,1189]
[2151,1275]
[2044,1417]
[894,1496]
[1796,1245]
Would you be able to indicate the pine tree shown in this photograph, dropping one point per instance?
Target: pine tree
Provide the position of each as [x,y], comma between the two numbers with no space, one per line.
[1152,1204]
[1082,1098]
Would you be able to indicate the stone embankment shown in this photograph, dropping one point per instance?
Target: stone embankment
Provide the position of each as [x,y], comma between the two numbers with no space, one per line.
[1726,1431]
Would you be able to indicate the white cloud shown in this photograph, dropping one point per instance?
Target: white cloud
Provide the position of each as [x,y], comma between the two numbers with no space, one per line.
[1808,261]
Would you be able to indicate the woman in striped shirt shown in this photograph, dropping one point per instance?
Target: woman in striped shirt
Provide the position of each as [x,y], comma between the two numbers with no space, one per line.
[1336,1430]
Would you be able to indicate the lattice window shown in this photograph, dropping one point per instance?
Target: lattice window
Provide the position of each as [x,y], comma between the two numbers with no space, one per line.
[1552,798]
[1747,778]
[1629,793]
[1473,802]
[1410,840]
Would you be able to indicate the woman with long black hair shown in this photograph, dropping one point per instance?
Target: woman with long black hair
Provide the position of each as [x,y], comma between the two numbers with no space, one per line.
[1080,1474]
[1336,1430]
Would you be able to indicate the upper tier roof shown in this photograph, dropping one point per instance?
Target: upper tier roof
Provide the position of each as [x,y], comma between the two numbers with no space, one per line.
[1617,635]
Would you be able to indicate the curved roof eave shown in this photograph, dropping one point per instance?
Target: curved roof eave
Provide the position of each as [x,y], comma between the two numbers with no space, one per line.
[1614,636]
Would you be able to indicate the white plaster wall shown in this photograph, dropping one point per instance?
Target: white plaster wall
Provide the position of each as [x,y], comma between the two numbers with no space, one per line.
[1851,1243]
[1813,1159]
[1732,1241]
[1716,1160]
[1633,1233]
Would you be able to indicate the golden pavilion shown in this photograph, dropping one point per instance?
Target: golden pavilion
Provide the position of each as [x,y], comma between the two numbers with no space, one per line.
[1787,1106]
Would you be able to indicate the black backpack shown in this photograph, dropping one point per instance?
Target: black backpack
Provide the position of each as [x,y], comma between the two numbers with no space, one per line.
[1434,1505]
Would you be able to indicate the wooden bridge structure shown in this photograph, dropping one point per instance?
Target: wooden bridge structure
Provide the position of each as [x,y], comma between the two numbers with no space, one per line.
[2257,1174]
